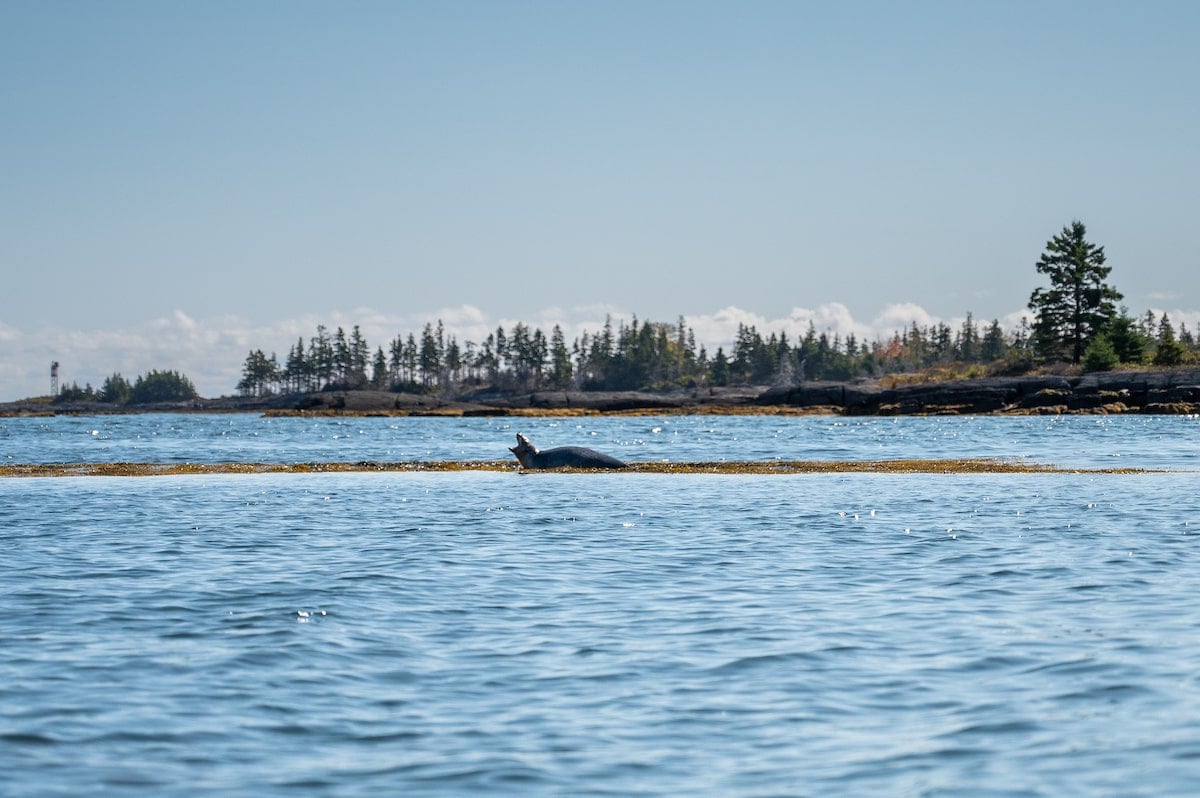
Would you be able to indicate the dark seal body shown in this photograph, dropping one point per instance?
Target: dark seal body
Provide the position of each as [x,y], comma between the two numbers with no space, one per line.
[561,457]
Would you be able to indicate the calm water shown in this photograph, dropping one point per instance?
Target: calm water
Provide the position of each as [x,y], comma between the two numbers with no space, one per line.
[607,634]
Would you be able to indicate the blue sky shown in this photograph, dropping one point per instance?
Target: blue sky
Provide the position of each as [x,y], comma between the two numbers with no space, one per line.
[184,181]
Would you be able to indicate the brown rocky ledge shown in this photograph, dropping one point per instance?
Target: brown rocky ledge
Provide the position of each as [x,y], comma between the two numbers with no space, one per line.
[1165,392]
[949,466]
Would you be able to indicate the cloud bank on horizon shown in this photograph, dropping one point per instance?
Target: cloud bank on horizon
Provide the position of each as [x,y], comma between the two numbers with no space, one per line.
[211,351]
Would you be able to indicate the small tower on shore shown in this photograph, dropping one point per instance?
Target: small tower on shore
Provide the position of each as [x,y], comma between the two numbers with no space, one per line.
[53,378]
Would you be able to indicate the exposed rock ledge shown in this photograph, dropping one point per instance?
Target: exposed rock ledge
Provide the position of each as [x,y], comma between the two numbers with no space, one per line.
[1168,392]
[1165,392]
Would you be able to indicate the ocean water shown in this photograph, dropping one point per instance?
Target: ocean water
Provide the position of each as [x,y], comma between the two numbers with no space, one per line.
[601,634]
[1070,441]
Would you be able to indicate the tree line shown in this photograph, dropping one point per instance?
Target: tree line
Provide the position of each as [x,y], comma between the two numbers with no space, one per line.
[154,386]
[1076,319]
[655,356]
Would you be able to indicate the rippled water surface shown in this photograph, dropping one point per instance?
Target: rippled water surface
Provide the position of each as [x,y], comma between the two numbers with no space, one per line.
[1083,441]
[601,634]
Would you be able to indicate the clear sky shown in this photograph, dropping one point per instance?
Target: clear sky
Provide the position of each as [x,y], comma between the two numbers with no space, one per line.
[181,182]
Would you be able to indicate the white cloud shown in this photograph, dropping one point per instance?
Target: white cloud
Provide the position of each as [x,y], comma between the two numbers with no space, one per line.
[1179,317]
[462,315]
[895,318]
[184,321]
[832,318]
[1012,321]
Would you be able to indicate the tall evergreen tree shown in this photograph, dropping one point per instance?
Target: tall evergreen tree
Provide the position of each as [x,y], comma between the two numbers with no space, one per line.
[539,350]
[410,359]
[488,364]
[501,349]
[341,356]
[968,340]
[395,358]
[258,374]
[560,359]
[994,344]
[1185,335]
[453,360]
[295,368]
[430,357]
[116,389]
[379,370]
[360,356]
[1079,304]
[1169,351]
[321,357]
[720,368]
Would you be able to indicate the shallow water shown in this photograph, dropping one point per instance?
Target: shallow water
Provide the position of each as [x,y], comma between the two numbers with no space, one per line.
[1073,441]
[603,634]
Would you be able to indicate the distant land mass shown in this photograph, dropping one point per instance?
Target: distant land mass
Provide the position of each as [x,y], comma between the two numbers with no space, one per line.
[1162,391]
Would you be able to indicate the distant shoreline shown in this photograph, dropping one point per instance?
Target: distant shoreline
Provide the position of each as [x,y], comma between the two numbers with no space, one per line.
[1165,392]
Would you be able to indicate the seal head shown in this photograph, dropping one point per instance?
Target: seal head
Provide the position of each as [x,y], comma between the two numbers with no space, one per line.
[525,451]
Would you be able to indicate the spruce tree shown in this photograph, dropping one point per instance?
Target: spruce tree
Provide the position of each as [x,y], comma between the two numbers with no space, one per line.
[1078,305]
[1169,352]
[560,359]
[115,390]
[379,370]
[1126,338]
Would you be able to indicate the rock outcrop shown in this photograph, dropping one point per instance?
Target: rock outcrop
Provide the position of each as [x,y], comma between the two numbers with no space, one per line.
[1175,391]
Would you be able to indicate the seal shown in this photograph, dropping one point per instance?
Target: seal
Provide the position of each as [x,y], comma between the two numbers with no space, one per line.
[561,457]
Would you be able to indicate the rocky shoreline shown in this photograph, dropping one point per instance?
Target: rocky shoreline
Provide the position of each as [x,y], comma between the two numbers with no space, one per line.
[1175,391]
[1171,392]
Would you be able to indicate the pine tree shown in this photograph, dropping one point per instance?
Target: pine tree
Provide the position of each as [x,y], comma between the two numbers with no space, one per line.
[560,359]
[1100,355]
[116,389]
[411,358]
[967,344]
[1170,352]
[321,357]
[295,369]
[360,354]
[379,370]
[1078,305]
[167,386]
[994,345]
[341,356]
[1126,338]
[1185,336]
[720,368]
[430,358]
[453,360]
[395,359]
